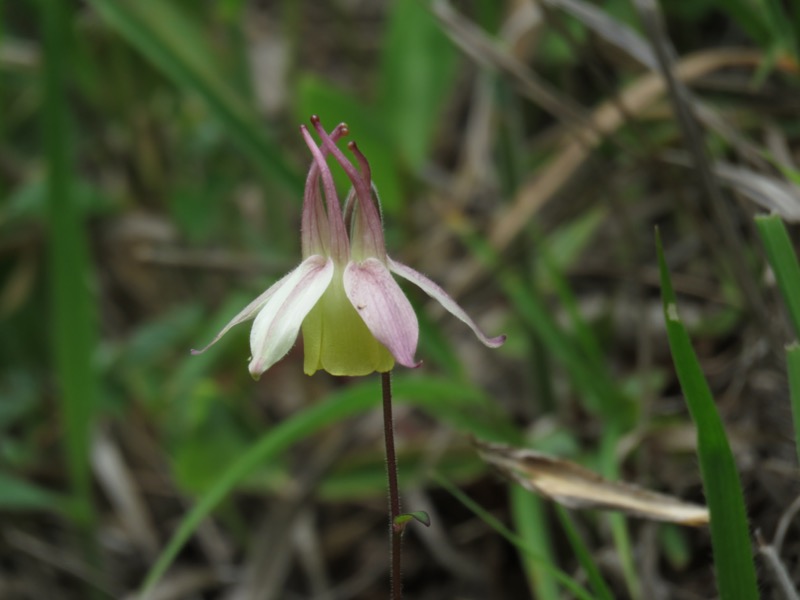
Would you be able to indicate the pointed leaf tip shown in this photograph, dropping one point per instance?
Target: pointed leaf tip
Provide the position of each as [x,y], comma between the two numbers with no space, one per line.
[422,517]
[401,521]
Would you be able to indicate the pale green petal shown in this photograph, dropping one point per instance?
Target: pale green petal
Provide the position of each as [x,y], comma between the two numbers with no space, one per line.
[336,339]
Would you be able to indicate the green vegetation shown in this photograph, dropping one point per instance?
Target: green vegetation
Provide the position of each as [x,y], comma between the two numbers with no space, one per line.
[151,181]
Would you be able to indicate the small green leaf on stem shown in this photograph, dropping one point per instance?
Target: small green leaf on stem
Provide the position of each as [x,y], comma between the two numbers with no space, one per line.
[401,521]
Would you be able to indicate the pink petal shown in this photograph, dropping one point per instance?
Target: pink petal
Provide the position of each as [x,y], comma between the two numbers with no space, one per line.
[372,232]
[248,312]
[450,305]
[315,230]
[339,243]
[384,308]
[276,326]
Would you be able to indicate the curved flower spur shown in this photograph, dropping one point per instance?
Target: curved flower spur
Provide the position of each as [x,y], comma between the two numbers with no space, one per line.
[355,318]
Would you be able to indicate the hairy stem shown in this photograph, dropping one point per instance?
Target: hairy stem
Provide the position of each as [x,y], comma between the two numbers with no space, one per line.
[394,494]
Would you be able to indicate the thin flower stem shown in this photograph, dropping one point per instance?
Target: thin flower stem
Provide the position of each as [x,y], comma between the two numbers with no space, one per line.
[394,494]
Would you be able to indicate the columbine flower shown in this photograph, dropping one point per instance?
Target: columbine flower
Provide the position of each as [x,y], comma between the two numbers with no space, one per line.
[355,318]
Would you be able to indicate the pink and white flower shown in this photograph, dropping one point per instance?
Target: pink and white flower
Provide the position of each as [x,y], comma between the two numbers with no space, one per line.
[354,317]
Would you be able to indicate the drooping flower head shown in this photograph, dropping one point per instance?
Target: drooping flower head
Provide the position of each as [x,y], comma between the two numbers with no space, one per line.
[354,317]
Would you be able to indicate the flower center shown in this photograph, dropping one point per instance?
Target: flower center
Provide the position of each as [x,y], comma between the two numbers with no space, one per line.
[336,338]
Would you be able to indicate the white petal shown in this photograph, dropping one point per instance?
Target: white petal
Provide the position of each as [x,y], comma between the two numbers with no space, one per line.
[276,326]
[383,307]
[450,305]
[248,312]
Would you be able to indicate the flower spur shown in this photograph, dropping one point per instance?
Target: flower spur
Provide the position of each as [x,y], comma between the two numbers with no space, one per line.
[355,319]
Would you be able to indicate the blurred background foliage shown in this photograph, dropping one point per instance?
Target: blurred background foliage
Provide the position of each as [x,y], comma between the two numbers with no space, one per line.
[151,179]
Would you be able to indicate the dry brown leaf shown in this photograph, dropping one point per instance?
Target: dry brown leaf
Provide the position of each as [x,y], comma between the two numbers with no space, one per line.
[489,53]
[606,119]
[122,489]
[574,486]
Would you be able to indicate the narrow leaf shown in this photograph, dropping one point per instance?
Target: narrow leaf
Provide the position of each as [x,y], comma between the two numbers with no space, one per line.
[420,516]
[730,538]
[574,486]
[413,87]
[584,556]
[72,305]
[428,393]
[531,523]
[783,260]
[793,366]
[18,494]
[568,582]
[174,45]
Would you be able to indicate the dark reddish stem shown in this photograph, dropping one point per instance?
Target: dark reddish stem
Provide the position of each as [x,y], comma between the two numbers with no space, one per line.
[394,494]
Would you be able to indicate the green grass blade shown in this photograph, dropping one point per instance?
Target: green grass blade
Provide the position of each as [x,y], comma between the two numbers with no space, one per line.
[781,26]
[580,550]
[174,45]
[20,495]
[600,393]
[783,260]
[730,538]
[303,424]
[752,18]
[73,326]
[553,254]
[363,475]
[531,523]
[568,582]
[617,523]
[413,86]
[793,366]
[424,392]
